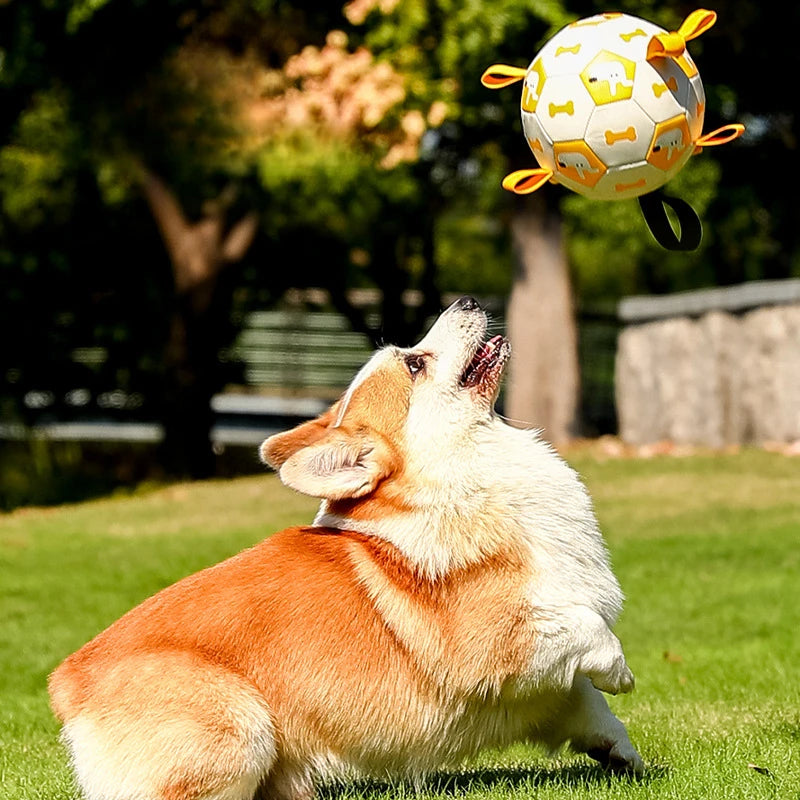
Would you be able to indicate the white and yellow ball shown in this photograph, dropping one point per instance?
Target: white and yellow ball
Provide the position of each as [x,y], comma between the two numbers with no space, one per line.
[608,122]
[612,106]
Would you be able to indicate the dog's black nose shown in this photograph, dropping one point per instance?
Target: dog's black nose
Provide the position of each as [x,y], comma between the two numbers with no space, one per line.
[468,304]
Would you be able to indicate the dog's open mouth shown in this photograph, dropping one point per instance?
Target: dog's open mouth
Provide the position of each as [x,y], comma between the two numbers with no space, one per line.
[487,362]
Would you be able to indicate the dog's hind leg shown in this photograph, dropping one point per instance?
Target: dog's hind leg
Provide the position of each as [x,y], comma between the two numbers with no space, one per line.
[170,726]
[287,782]
[591,728]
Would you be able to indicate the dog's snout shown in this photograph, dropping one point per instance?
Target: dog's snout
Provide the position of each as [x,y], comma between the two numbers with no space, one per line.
[467,303]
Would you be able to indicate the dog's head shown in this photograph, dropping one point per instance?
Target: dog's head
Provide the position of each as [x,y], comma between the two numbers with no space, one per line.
[406,408]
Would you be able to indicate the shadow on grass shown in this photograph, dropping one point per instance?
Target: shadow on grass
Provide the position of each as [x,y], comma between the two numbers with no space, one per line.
[492,780]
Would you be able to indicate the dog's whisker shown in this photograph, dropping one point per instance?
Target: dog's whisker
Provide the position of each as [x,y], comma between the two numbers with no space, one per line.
[518,422]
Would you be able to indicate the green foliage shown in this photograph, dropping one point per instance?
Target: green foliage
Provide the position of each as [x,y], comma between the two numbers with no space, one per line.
[329,185]
[470,253]
[613,252]
[457,38]
[709,627]
[81,11]
[37,166]
[473,253]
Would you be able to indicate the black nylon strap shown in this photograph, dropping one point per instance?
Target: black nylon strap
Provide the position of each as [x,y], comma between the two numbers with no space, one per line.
[654,211]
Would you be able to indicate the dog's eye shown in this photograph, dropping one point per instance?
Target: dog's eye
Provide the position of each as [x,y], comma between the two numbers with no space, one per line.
[415,364]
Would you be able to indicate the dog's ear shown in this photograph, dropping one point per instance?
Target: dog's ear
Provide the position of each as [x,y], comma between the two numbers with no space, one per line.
[276,449]
[338,466]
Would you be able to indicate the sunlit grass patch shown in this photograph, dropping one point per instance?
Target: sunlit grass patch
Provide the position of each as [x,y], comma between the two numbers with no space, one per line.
[707,549]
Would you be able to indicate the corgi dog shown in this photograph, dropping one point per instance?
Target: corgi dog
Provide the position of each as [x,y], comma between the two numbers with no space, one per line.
[453,593]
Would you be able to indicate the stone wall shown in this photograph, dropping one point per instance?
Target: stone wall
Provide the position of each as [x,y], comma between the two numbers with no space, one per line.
[716,368]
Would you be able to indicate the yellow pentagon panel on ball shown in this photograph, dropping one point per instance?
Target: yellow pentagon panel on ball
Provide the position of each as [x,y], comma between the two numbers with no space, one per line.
[577,166]
[671,146]
[608,77]
[533,85]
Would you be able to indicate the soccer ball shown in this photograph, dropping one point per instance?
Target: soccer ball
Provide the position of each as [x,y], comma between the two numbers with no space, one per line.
[606,113]
[608,122]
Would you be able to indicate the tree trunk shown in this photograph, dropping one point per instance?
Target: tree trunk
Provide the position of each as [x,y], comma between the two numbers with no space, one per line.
[198,252]
[191,379]
[544,374]
[393,281]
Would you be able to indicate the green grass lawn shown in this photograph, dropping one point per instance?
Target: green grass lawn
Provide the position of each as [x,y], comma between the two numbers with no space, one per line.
[707,549]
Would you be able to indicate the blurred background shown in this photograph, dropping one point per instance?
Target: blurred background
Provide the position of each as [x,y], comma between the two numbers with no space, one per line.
[211,212]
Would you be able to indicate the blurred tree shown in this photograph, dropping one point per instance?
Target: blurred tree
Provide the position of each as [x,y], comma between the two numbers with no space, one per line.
[336,152]
[102,120]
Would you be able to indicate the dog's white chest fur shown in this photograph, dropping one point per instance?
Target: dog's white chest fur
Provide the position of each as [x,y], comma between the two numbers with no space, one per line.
[502,485]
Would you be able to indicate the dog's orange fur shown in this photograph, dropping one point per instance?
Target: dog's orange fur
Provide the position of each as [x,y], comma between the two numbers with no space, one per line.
[305,600]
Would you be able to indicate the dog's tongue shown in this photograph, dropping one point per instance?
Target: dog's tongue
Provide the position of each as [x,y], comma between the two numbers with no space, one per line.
[480,361]
[486,350]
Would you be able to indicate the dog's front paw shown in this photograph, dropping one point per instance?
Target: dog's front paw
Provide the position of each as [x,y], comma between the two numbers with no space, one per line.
[621,757]
[617,680]
[607,669]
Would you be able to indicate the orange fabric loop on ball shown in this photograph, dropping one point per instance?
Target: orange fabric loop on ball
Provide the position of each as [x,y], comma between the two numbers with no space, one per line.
[723,135]
[673,44]
[525,181]
[499,75]
[696,23]
[665,45]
